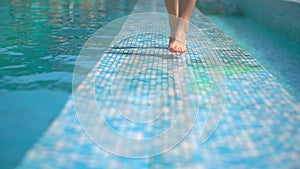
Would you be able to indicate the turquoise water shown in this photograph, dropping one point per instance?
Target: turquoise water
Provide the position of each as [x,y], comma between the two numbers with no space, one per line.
[39,44]
[260,120]
[279,55]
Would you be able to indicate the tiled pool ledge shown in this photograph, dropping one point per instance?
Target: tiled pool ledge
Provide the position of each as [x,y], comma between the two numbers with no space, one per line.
[259,127]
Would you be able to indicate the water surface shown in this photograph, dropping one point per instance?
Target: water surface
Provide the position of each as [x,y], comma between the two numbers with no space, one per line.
[39,44]
[278,54]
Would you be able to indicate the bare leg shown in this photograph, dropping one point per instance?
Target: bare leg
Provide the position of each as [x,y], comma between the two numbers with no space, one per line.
[178,43]
[173,10]
[186,8]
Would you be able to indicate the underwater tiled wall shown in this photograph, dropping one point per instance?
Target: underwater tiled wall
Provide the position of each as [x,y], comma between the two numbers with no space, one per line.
[219,6]
[279,15]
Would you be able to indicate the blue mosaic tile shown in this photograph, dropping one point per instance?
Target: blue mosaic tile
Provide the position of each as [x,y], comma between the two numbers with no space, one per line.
[259,127]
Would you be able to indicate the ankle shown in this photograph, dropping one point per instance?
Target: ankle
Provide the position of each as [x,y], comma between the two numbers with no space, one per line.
[181,31]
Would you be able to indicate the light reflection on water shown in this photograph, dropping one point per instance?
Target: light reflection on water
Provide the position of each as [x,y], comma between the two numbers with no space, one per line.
[39,44]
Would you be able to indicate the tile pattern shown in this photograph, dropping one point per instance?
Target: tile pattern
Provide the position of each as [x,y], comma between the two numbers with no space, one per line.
[284,19]
[219,6]
[259,127]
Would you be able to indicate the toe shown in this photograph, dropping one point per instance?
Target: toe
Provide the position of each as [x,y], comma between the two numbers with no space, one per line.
[177,49]
[171,49]
[183,49]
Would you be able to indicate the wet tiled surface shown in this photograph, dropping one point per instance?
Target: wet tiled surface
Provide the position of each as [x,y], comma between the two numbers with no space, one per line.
[259,126]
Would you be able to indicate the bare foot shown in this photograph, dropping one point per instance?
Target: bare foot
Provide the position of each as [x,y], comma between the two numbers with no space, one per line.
[177,46]
[177,41]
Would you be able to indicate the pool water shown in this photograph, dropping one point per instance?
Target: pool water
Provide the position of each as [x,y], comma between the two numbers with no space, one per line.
[279,55]
[259,126]
[39,44]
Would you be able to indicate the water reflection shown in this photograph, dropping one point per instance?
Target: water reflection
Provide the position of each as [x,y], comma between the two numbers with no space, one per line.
[39,44]
[33,31]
